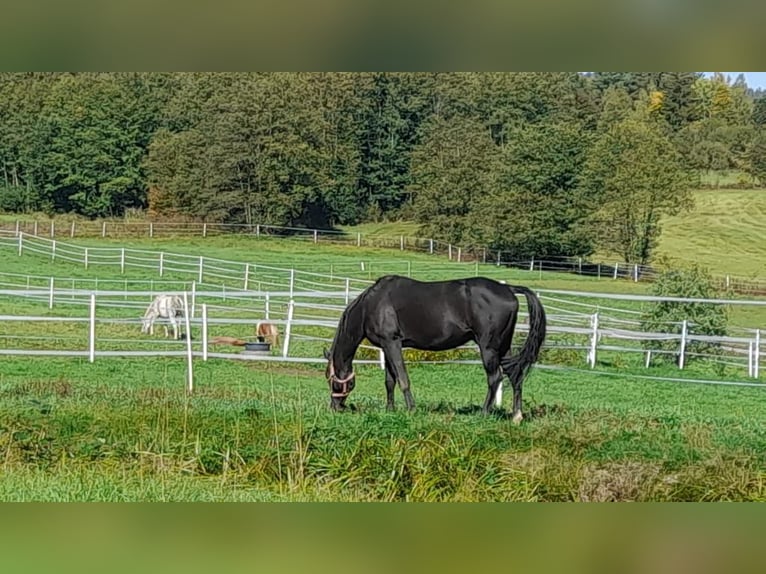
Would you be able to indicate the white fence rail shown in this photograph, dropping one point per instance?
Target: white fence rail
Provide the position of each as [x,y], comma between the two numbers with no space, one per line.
[307,322]
[293,298]
[568,264]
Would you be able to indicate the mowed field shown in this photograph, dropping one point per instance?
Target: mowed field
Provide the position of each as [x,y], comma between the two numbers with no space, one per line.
[725,232]
[125,429]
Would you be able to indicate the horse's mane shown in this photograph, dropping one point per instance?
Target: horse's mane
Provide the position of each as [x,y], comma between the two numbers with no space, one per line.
[342,331]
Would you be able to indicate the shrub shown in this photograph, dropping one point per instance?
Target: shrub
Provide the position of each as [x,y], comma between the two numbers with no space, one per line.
[702,318]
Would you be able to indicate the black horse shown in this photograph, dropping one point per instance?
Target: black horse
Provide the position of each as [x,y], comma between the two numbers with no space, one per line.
[397,312]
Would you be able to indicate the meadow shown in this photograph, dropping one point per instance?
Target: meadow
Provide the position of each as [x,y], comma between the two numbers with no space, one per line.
[126,429]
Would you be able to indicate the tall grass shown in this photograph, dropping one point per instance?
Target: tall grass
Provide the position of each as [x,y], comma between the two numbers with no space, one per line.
[91,432]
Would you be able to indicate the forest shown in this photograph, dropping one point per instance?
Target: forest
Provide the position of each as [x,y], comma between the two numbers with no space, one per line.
[542,164]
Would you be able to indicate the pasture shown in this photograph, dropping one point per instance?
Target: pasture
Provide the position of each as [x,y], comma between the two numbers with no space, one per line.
[124,428]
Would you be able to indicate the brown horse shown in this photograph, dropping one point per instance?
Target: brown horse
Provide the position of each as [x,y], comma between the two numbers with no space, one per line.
[269,332]
[263,331]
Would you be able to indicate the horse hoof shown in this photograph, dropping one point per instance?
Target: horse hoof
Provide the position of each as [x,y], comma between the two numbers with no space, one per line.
[517,418]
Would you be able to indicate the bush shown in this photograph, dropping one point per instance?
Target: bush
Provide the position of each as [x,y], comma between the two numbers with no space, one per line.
[702,318]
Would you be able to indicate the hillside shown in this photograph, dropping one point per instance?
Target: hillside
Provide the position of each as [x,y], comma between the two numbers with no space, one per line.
[726,232]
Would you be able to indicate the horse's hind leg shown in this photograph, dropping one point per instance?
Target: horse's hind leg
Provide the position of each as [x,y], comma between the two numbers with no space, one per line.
[390,385]
[515,376]
[491,360]
[393,352]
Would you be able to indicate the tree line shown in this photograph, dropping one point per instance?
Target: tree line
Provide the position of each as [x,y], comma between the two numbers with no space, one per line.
[540,164]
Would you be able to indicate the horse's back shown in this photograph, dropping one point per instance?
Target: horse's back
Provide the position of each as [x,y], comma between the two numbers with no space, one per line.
[438,314]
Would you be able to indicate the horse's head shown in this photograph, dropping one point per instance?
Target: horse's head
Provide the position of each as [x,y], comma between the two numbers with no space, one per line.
[341,381]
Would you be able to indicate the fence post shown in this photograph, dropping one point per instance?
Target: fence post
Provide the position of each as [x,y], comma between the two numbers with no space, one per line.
[459,253]
[401,243]
[151,230]
[71,230]
[204,332]
[579,265]
[431,246]
[750,359]
[476,268]
[247,276]
[648,359]
[92,329]
[484,256]
[532,264]
[358,239]
[635,272]
[204,230]
[103,229]
[162,263]
[35,229]
[347,289]
[268,306]
[122,260]
[498,258]
[315,236]
[756,368]
[193,298]
[189,366]
[288,326]
[292,283]
[53,250]
[593,340]
[681,356]
[21,242]
[199,279]
[616,265]
[85,257]
[53,229]
[449,251]
[50,296]
[17,227]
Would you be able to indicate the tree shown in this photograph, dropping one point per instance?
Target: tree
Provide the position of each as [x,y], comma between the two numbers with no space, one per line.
[633,177]
[757,156]
[537,209]
[89,145]
[455,163]
[395,106]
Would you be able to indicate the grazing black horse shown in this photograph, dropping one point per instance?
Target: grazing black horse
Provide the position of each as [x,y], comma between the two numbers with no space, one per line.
[397,312]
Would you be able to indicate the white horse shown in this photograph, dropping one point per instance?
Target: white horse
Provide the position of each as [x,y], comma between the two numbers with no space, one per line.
[165,306]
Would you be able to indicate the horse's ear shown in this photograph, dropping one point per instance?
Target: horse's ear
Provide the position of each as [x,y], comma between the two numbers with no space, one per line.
[326,353]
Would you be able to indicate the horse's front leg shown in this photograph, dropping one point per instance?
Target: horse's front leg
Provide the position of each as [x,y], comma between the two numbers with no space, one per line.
[390,385]
[393,352]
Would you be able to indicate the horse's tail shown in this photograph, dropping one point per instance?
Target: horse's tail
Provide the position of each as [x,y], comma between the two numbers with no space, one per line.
[517,366]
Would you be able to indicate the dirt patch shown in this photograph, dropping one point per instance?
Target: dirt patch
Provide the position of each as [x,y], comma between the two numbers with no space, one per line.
[618,481]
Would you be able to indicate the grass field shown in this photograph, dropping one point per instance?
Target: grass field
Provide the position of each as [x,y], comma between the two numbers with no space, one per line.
[725,232]
[124,429]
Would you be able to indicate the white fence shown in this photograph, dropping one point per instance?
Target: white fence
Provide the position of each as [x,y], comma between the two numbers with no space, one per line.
[587,323]
[311,317]
[569,264]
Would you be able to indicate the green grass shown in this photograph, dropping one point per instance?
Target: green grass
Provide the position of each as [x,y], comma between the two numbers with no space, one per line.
[74,431]
[726,232]
[124,429]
